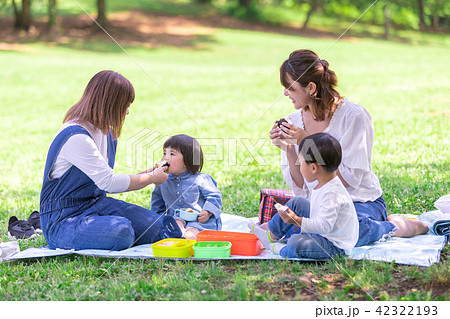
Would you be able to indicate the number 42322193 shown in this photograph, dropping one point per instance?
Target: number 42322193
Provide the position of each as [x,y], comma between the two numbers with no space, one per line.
[407,310]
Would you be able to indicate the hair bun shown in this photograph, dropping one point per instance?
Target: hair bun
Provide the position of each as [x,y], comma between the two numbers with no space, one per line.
[324,64]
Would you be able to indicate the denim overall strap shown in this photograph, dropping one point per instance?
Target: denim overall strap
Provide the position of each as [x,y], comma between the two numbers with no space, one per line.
[112,147]
[73,187]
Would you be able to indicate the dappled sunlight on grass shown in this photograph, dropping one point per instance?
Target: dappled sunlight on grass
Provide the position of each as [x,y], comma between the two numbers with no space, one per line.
[225,79]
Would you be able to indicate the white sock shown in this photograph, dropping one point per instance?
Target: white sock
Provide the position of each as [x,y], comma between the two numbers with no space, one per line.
[251,226]
[276,247]
[264,236]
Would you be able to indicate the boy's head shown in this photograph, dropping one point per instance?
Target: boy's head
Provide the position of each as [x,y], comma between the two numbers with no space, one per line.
[321,149]
[183,153]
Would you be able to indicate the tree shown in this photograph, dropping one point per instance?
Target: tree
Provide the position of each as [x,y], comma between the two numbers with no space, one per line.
[52,13]
[313,6]
[101,13]
[387,22]
[246,4]
[421,14]
[22,18]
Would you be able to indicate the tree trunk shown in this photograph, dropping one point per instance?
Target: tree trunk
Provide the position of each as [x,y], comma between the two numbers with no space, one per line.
[17,16]
[101,16]
[245,3]
[387,23]
[22,19]
[312,8]
[421,15]
[26,15]
[436,15]
[52,13]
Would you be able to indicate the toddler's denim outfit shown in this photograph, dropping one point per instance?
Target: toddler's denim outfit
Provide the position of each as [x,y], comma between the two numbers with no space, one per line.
[76,214]
[198,192]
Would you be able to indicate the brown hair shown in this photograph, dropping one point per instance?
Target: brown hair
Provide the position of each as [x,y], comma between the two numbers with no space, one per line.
[104,103]
[322,149]
[191,150]
[304,66]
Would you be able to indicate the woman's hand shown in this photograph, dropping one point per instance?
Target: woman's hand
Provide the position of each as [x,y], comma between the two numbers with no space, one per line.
[278,140]
[153,175]
[292,132]
[148,170]
[204,216]
[158,175]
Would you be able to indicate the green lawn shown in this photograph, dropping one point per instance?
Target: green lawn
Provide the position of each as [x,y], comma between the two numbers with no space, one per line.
[222,85]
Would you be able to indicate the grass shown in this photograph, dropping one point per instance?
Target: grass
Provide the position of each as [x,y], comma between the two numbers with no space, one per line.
[225,85]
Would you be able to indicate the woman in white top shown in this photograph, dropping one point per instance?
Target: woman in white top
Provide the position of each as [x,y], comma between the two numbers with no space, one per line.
[75,211]
[310,85]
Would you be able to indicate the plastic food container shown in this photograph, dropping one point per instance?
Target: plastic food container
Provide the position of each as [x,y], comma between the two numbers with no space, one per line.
[187,214]
[174,248]
[212,249]
[241,243]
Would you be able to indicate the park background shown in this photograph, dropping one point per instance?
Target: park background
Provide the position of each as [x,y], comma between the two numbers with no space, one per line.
[210,69]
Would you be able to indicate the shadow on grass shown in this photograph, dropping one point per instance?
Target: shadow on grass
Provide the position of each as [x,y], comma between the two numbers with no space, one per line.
[129,29]
[160,24]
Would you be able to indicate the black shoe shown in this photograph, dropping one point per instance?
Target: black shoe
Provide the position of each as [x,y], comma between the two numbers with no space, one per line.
[19,229]
[170,228]
[35,221]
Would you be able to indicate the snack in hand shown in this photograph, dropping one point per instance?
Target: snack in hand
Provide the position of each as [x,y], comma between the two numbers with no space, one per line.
[285,209]
[162,164]
[281,121]
[189,210]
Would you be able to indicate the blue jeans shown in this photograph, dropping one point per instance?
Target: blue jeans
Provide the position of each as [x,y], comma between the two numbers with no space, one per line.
[107,223]
[301,245]
[371,217]
[372,221]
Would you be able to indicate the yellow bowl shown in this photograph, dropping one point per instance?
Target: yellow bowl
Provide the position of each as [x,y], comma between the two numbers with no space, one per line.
[173,248]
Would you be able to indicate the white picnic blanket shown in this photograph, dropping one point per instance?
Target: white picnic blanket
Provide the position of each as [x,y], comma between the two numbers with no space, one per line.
[423,250]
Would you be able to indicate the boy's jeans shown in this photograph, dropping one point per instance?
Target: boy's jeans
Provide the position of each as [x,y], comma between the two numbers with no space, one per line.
[301,245]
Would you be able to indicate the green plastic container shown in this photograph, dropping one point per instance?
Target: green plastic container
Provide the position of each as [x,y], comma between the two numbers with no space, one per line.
[212,249]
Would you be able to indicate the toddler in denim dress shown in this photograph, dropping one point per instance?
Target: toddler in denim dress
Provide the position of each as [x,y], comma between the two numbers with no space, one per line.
[187,187]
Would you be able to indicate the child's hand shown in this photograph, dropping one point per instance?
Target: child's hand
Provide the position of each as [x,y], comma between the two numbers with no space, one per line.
[204,216]
[289,217]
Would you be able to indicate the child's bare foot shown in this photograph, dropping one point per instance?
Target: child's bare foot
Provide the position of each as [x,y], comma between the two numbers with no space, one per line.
[181,224]
[407,227]
[191,233]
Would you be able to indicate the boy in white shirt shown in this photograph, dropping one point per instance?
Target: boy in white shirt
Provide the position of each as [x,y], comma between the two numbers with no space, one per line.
[327,224]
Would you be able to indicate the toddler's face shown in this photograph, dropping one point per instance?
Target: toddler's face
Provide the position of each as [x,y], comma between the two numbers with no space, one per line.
[176,161]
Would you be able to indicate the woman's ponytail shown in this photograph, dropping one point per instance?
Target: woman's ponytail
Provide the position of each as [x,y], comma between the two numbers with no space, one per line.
[328,93]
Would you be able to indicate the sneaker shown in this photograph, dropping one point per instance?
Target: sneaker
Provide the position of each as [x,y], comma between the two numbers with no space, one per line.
[35,221]
[19,229]
[170,228]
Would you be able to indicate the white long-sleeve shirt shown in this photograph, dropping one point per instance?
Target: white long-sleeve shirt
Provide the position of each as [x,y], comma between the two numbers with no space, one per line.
[352,126]
[333,215]
[90,156]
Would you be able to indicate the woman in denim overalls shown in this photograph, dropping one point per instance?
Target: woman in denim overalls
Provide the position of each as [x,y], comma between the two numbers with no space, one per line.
[75,211]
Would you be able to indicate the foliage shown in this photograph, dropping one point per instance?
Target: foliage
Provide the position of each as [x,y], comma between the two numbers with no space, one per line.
[403,13]
[226,81]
